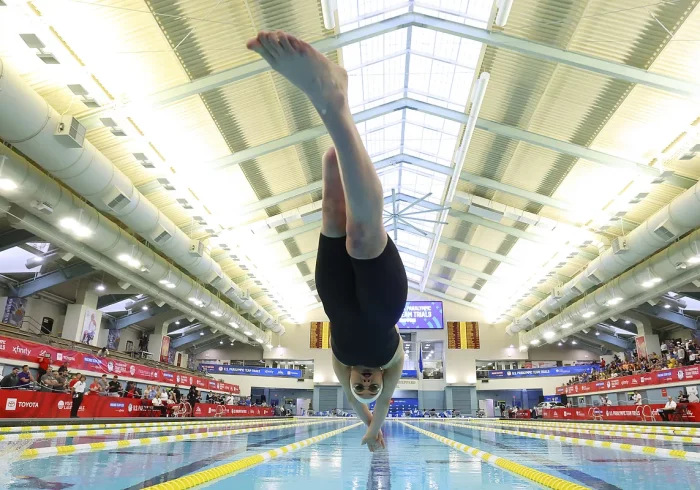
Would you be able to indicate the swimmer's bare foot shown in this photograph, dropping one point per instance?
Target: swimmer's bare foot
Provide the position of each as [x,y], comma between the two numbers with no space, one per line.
[324,82]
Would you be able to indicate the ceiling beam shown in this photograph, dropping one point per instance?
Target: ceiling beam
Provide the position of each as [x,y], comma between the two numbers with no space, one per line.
[508,230]
[480,251]
[111,299]
[73,271]
[610,340]
[438,294]
[187,339]
[15,238]
[492,38]
[668,315]
[142,315]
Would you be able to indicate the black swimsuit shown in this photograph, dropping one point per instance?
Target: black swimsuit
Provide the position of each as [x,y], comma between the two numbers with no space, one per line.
[363,300]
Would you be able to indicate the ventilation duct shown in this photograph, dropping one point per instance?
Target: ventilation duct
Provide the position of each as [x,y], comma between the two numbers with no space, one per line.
[673,220]
[626,291]
[108,240]
[29,123]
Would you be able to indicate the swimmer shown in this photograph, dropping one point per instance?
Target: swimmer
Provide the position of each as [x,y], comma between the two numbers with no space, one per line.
[360,277]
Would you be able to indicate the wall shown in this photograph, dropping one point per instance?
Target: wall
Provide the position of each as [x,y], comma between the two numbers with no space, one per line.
[226,353]
[129,334]
[247,383]
[547,384]
[38,308]
[522,398]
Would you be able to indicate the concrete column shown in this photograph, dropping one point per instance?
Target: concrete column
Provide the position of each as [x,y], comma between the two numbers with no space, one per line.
[83,320]
[644,330]
[155,340]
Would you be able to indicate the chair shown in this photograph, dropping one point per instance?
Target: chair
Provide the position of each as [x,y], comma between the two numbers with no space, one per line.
[680,414]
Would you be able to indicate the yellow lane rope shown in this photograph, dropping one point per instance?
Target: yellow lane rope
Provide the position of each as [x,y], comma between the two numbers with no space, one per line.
[25,436]
[539,477]
[656,451]
[573,429]
[135,423]
[653,429]
[228,469]
[148,441]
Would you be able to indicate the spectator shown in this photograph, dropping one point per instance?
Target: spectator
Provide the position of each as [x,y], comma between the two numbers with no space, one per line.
[11,380]
[151,394]
[178,394]
[44,363]
[78,391]
[61,382]
[49,381]
[104,384]
[115,387]
[682,397]
[637,398]
[63,370]
[193,397]
[95,388]
[103,352]
[157,402]
[668,409]
[24,378]
[76,378]
[605,401]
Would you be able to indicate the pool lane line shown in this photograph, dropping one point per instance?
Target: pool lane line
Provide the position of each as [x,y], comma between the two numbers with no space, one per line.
[147,441]
[657,429]
[609,433]
[630,448]
[185,421]
[539,477]
[27,436]
[227,469]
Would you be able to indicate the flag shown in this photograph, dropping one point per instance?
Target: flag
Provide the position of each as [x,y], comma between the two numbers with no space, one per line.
[420,360]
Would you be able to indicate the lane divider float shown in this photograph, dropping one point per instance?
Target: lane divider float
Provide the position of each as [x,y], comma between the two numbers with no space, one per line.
[652,429]
[25,436]
[147,441]
[630,448]
[227,469]
[539,477]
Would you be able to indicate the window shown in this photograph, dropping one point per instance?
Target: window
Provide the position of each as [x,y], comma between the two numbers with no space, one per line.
[433,356]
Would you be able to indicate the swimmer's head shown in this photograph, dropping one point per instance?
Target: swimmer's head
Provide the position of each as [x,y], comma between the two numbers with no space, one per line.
[366,383]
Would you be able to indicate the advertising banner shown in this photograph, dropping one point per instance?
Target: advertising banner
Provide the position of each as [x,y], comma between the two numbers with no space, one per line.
[34,404]
[25,351]
[421,315]
[113,338]
[619,413]
[91,320]
[676,375]
[540,372]
[15,308]
[210,410]
[165,349]
[523,414]
[463,335]
[641,343]
[251,371]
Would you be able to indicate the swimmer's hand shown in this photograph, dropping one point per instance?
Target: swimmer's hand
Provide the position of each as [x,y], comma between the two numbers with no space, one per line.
[374,443]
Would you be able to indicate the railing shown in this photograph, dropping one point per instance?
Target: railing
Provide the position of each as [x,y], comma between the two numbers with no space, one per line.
[31,322]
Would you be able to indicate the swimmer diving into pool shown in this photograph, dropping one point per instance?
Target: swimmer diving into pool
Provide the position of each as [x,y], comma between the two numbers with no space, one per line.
[359,274]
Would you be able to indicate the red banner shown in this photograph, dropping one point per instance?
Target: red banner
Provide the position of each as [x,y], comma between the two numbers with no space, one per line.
[23,404]
[164,349]
[210,410]
[25,351]
[676,375]
[620,413]
[523,414]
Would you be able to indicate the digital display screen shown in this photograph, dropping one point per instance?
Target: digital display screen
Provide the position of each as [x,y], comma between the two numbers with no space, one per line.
[422,315]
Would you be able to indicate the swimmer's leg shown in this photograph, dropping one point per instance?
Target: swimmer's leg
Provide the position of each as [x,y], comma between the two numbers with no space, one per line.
[334,219]
[326,84]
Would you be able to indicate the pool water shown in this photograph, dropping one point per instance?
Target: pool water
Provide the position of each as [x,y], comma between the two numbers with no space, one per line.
[411,461]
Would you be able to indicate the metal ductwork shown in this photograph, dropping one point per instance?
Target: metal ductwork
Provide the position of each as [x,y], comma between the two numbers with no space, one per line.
[57,144]
[111,242]
[670,222]
[648,280]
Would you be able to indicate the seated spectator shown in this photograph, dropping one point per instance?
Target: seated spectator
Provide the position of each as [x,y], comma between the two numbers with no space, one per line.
[682,397]
[115,387]
[50,382]
[24,378]
[95,388]
[63,370]
[11,380]
[668,409]
[104,384]
[637,398]
[151,393]
[158,403]
[103,352]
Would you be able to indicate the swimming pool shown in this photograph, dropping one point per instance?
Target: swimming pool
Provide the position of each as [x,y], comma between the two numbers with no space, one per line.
[416,457]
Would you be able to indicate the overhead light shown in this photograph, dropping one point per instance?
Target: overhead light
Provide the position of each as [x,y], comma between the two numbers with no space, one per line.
[72,225]
[201,333]
[534,342]
[221,342]
[234,325]
[511,346]
[588,314]
[597,334]
[177,322]
[549,334]
[573,342]
[522,348]
[613,301]
[170,285]
[651,282]
[627,322]
[100,287]
[7,185]
[691,260]
[667,306]
[144,307]
[560,344]
[129,260]
[567,325]
[217,313]
[248,332]
[259,340]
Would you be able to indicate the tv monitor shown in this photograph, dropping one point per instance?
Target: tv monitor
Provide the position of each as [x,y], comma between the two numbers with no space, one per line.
[422,315]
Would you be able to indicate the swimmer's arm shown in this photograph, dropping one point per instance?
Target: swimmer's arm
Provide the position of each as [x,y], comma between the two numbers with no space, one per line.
[392,375]
[342,372]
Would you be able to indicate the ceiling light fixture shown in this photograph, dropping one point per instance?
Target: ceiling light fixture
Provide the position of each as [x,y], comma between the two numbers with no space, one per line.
[221,342]
[588,314]
[100,287]
[129,260]
[692,260]
[248,332]
[651,282]
[560,344]
[177,322]
[667,306]
[144,307]
[597,334]
[234,325]
[7,185]
[522,348]
[534,341]
[217,313]
[201,333]
[548,334]
[627,322]
[614,301]
[567,325]
[74,226]
[573,342]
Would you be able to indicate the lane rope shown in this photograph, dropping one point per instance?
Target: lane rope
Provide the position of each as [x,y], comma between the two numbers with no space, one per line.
[630,448]
[609,433]
[539,477]
[650,429]
[227,469]
[147,441]
[25,436]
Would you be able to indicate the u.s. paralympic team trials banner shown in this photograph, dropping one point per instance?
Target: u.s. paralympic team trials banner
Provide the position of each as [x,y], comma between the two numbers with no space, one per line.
[675,375]
[25,351]
[421,315]
[542,372]
[320,335]
[210,410]
[251,371]
[463,335]
[620,413]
